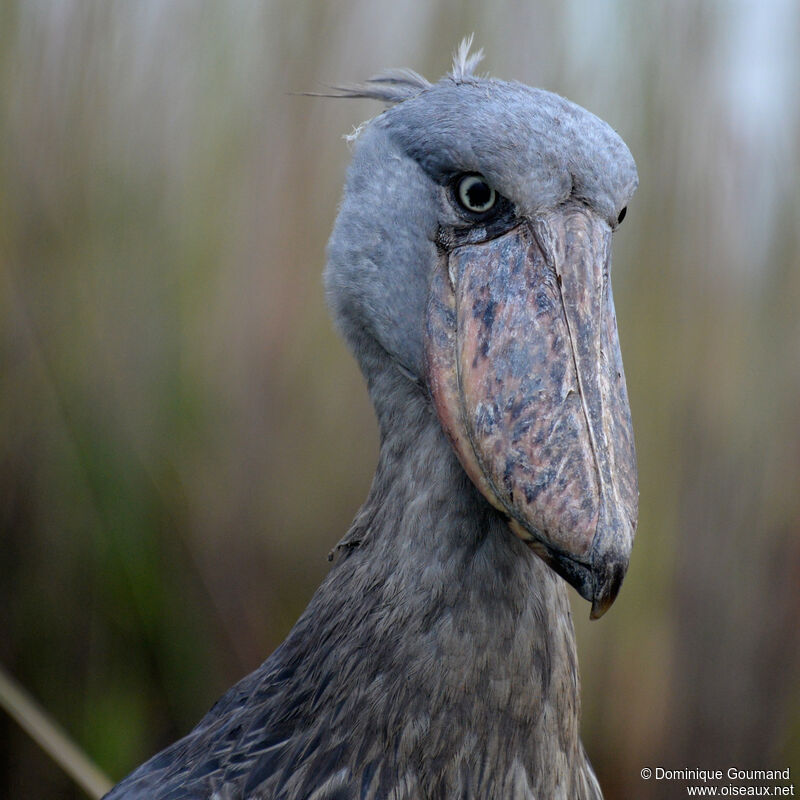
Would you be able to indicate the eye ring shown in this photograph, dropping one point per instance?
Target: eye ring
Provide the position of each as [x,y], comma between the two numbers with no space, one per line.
[474,194]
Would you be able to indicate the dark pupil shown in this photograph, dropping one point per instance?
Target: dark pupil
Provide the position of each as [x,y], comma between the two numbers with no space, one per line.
[479,194]
[622,214]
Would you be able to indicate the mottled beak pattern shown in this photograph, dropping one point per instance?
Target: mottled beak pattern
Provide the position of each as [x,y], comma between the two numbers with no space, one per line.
[526,375]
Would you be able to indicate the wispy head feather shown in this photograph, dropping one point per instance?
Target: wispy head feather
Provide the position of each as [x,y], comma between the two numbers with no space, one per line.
[390,85]
[396,85]
[464,62]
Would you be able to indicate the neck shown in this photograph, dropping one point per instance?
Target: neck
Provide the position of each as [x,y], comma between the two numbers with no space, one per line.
[453,624]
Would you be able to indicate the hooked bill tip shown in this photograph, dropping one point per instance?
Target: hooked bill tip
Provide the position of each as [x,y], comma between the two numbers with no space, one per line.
[598,583]
[599,607]
[608,581]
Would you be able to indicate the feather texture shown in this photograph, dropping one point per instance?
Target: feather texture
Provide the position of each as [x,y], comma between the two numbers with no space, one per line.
[396,85]
[390,687]
[464,62]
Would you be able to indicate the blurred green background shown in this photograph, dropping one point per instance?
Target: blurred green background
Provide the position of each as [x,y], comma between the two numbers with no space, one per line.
[183,437]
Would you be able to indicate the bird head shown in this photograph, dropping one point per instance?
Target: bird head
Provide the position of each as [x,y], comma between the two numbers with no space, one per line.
[473,251]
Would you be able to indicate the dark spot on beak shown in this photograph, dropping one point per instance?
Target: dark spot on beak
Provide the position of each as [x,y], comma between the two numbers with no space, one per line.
[488,315]
[516,408]
[544,303]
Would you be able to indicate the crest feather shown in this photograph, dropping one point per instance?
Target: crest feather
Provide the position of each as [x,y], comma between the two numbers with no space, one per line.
[396,85]
[464,62]
[390,85]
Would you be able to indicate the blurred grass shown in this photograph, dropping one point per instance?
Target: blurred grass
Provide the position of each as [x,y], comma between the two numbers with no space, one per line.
[183,438]
[38,724]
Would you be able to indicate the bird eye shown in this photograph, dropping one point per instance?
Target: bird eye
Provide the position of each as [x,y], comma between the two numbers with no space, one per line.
[475,194]
[622,215]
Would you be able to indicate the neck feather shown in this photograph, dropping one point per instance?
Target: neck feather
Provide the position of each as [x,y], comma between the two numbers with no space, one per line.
[438,620]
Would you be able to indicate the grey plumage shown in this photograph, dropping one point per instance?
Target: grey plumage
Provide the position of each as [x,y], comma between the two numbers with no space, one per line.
[437,659]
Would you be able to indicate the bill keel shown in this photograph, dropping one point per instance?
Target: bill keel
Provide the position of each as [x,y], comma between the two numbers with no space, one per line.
[526,375]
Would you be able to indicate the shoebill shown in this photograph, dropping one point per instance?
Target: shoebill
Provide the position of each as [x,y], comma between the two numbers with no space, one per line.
[468,271]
